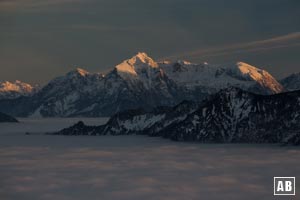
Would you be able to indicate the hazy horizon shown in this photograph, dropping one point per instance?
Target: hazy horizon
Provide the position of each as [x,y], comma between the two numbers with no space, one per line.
[41,40]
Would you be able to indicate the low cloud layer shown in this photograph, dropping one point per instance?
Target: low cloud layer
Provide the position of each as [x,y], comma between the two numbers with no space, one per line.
[137,167]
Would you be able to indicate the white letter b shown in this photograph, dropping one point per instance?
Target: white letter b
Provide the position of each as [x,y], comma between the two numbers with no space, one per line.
[288,186]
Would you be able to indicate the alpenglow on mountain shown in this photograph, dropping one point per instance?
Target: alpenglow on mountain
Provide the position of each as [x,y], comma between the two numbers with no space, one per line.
[139,82]
[12,90]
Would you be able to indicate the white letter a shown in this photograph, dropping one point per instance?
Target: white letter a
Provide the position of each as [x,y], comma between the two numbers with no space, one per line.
[280,186]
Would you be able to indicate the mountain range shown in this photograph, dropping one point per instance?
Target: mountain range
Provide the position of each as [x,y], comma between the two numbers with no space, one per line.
[138,82]
[231,115]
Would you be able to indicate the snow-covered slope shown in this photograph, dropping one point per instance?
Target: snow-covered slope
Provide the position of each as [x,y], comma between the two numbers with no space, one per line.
[291,82]
[12,90]
[139,82]
[216,77]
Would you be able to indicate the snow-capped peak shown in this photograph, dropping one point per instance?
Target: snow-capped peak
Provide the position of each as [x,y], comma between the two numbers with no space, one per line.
[140,60]
[262,77]
[78,72]
[238,74]
[17,86]
[142,57]
[70,77]
[15,89]
[183,62]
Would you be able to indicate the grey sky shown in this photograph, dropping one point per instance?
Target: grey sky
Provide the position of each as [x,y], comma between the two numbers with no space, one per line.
[41,39]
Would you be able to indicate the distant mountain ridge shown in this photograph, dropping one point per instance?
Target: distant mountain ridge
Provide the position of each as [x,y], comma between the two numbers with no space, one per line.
[229,116]
[291,82]
[139,82]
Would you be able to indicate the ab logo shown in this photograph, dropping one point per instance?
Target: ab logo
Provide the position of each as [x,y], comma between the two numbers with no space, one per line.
[284,185]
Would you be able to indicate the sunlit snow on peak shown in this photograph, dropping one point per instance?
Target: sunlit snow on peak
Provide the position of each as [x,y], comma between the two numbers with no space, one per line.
[252,71]
[17,86]
[78,71]
[183,62]
[10,90]
[82,72]
[139,61]
[142,58]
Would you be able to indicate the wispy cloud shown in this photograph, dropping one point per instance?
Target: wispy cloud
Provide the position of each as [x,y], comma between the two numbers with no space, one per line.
[284,41]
